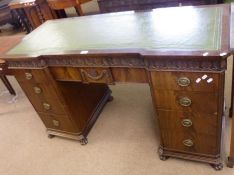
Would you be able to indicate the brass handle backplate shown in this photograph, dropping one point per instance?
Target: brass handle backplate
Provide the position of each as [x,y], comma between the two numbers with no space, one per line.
[185,101]
[187,123]
[94,77]
[46,106]
[28,76]
[55,122]
[37,90]
[188,142]
[183,81]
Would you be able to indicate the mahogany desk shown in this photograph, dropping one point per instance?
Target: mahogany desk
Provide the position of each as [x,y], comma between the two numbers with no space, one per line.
[65,66]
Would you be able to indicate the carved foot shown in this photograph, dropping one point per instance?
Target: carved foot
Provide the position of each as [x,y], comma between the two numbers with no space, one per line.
[50,136]
[230,163]
[111,98]
[217,167]
[161,156]
[84,141]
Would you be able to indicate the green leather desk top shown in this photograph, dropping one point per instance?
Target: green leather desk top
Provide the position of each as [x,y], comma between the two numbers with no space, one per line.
[180,29]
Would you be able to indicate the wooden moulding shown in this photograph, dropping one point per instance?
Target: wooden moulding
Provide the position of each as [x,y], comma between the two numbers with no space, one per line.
[214,160]
[212,63]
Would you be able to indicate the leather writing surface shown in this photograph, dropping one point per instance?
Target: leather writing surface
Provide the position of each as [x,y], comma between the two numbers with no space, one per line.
[183,28]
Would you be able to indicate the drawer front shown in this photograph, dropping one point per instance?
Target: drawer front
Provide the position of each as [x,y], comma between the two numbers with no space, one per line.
[58,122]
[41,76]
[189,81]
[194,123]
[196,102]
[41,90]
[43,98]
[66,73]
[190,142]
[96,75]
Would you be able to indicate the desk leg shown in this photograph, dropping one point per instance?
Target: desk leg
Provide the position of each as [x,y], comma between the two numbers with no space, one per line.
[8,85]
[231,107]
[79,11]
[20,15]
[230,162]
[61,13]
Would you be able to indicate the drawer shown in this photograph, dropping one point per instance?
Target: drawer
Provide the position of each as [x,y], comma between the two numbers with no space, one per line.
[190,142]
[189,81]
[196,102]
[66,73]
[41,89]
[85,75]
[43,98]
[41,76]
[96,75]
[58,122]
[194,123]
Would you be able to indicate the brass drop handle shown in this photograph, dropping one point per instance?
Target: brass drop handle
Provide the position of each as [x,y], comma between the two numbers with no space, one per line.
[85,74]
[185,101]
[37,90]
[55,122]
[188,142]
[187,123]
[46,106]
[183,81]
[28,76]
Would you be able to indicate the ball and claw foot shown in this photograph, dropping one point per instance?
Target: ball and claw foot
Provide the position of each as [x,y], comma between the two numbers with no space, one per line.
[84,141]
[217,167]
[50,136]
[111,98]
[163,158]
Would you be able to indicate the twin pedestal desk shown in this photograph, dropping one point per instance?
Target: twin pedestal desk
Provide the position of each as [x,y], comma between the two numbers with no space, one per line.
[65,67]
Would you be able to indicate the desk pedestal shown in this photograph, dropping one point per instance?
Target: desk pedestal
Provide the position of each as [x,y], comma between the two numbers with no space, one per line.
[68,109]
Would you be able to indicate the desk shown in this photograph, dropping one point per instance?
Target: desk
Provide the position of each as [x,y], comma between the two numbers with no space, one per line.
[5,14]
[65,66]
[31,13]
[107,6]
